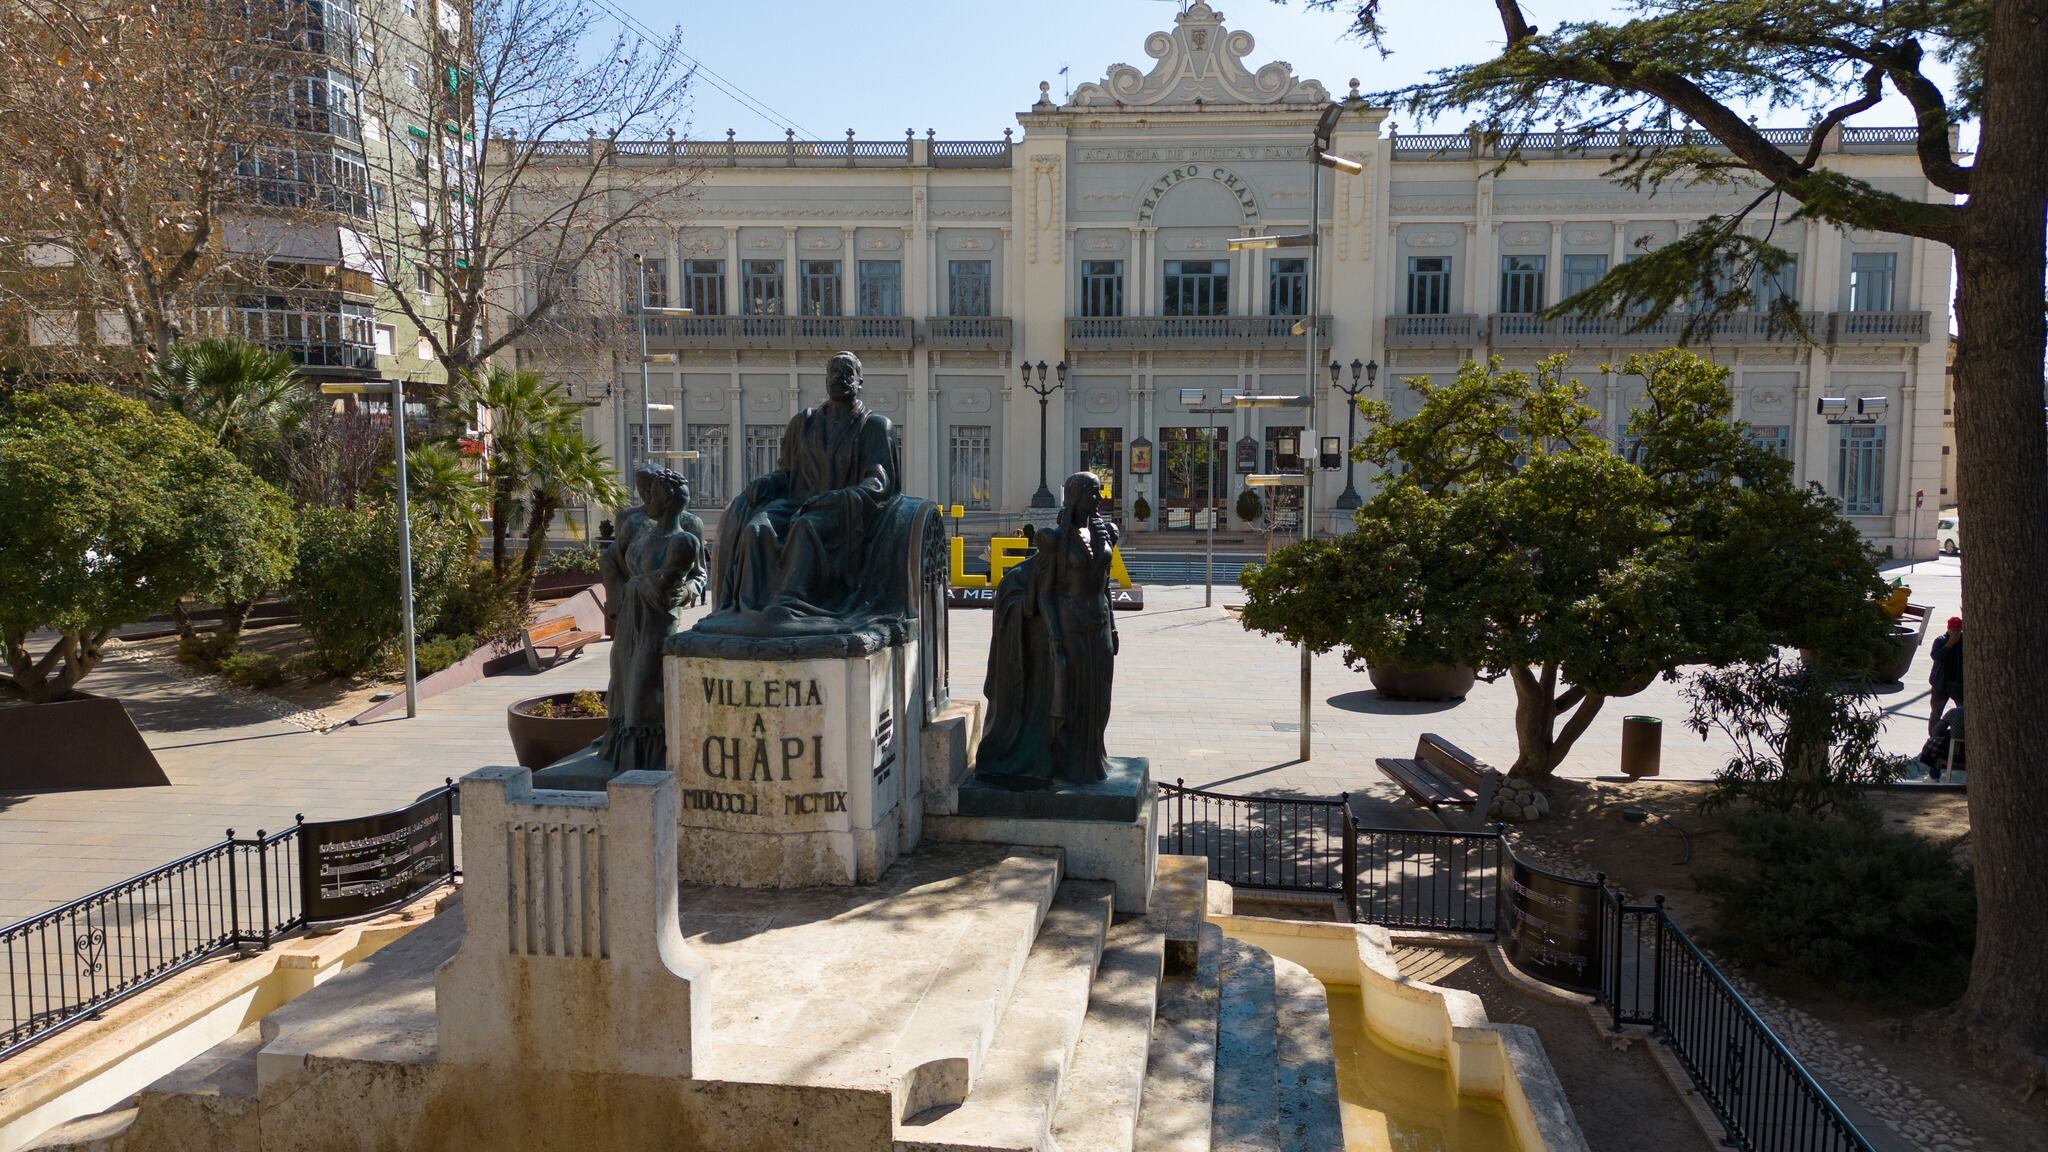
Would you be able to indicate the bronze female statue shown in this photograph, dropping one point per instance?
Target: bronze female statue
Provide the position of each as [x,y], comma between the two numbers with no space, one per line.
[1052,658]
[652,571]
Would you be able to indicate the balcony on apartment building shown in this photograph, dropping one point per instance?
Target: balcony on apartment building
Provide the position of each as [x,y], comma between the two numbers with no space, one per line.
[322,332]
[1177,333]
[828,333]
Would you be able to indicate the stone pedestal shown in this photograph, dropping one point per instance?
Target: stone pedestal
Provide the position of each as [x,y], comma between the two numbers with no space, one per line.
[795,772]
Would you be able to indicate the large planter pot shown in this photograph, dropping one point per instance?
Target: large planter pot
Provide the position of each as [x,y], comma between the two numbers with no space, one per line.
[538,741]
[83,741]
[1426,682]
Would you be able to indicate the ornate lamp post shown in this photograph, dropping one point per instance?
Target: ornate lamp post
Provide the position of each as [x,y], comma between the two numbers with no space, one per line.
[1042,498]
[1371,370]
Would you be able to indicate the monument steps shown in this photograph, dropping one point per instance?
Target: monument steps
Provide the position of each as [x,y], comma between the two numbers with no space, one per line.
[1180,1075]
[1098,1110]
[1009,1106]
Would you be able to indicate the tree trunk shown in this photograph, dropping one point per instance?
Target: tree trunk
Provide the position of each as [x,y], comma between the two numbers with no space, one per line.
[541,510]
[182,617]
[234,616]
[52,676]
[1540,744]
[2002,479]
[501,508]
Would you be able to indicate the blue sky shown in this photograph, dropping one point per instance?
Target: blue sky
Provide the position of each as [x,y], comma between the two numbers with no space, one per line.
[967,67]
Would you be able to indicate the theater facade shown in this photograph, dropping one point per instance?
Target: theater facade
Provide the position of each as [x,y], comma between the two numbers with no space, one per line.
[1084,253]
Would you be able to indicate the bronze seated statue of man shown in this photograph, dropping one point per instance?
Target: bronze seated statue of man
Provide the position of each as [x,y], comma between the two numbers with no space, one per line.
[824,544]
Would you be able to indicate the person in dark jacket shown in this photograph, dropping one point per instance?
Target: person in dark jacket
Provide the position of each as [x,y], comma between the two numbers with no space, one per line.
[1945,681]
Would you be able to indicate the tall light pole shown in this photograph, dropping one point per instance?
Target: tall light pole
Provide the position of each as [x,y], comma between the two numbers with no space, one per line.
[646,393]
[1371,371]
[1319,158]
[1042,498]
[1196,401]
[395,389]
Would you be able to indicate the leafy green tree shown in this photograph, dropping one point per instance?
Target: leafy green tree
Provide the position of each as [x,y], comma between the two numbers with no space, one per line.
[248,399]
[113,513]
[346,583]
[1508,536]
[242,395]
[1703,60]
[1802,742]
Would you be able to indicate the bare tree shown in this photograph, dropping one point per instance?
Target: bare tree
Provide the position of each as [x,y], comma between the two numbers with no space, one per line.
[123,126]
[518,239]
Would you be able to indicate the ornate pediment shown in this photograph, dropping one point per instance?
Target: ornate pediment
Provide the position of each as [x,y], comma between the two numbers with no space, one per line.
[1198,62]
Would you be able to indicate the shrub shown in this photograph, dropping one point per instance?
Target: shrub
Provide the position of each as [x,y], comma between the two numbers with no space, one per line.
[346,585]
[481,606]
[205,650]
[442,652]
[585,561]
[1802,744]
[588,702]
[1141,509]
[1845,903]
[253,670]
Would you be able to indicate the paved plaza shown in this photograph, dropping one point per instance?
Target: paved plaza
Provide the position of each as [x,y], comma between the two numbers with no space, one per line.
[1208,702]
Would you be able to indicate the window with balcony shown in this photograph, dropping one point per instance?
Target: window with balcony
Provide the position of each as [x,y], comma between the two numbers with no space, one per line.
[761,287]
[764,450]
[969,287]
[1871,276]
[1521,285]
[704,287]
[1102,288]
[967,467]
[1859,469]
[652,289]
[707,471]
[1770,288]
[820,288]
[1287,287]
[1773,438]
[1196,288]
[1582,272]
[881,288]
[1429,285]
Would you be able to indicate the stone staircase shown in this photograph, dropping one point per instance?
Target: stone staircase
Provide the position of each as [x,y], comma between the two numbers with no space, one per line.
[1000,1004]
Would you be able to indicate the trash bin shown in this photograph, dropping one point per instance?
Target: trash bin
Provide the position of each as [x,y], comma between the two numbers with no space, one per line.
[1642,745]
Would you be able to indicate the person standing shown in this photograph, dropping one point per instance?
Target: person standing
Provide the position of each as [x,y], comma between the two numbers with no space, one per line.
[1945,681]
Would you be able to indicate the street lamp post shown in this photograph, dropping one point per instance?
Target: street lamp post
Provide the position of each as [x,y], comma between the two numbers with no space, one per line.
[396,390]
[1371,371]
[1042,498]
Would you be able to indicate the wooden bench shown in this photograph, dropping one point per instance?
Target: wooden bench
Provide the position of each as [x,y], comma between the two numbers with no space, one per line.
[558,636]
[1442,776]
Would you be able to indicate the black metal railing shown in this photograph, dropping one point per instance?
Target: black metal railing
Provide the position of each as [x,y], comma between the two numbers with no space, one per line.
[1650,972]
[76,960]
[63,965]
[1422,878]
[1273,842]
[1763,1096]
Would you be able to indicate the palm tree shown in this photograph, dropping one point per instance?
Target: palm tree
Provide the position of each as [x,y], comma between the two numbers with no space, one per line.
[445,487]
[563,467]
[243,395]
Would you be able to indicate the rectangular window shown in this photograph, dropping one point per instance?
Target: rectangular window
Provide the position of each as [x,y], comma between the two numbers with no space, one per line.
[761,287]
[704,287]
[1871,275]
[707,471]
[1769,289]
[881,288]
[764,450]
[653,286]
[1582,272]
[820,288]
[1429,285]
[1773,438]
[1197,288]
[1102,288]
[1859,469]
[967,467]
[1287,287]
[1102,452]
[664,443]
[968,287]
[1521,285]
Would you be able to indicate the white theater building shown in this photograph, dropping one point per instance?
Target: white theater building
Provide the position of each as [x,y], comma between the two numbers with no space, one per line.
[1095,238]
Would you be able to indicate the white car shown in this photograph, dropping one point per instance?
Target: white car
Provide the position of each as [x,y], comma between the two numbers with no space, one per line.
[1948,533]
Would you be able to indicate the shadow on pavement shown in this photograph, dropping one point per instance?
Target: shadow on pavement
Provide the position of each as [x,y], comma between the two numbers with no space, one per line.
[1370,701]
